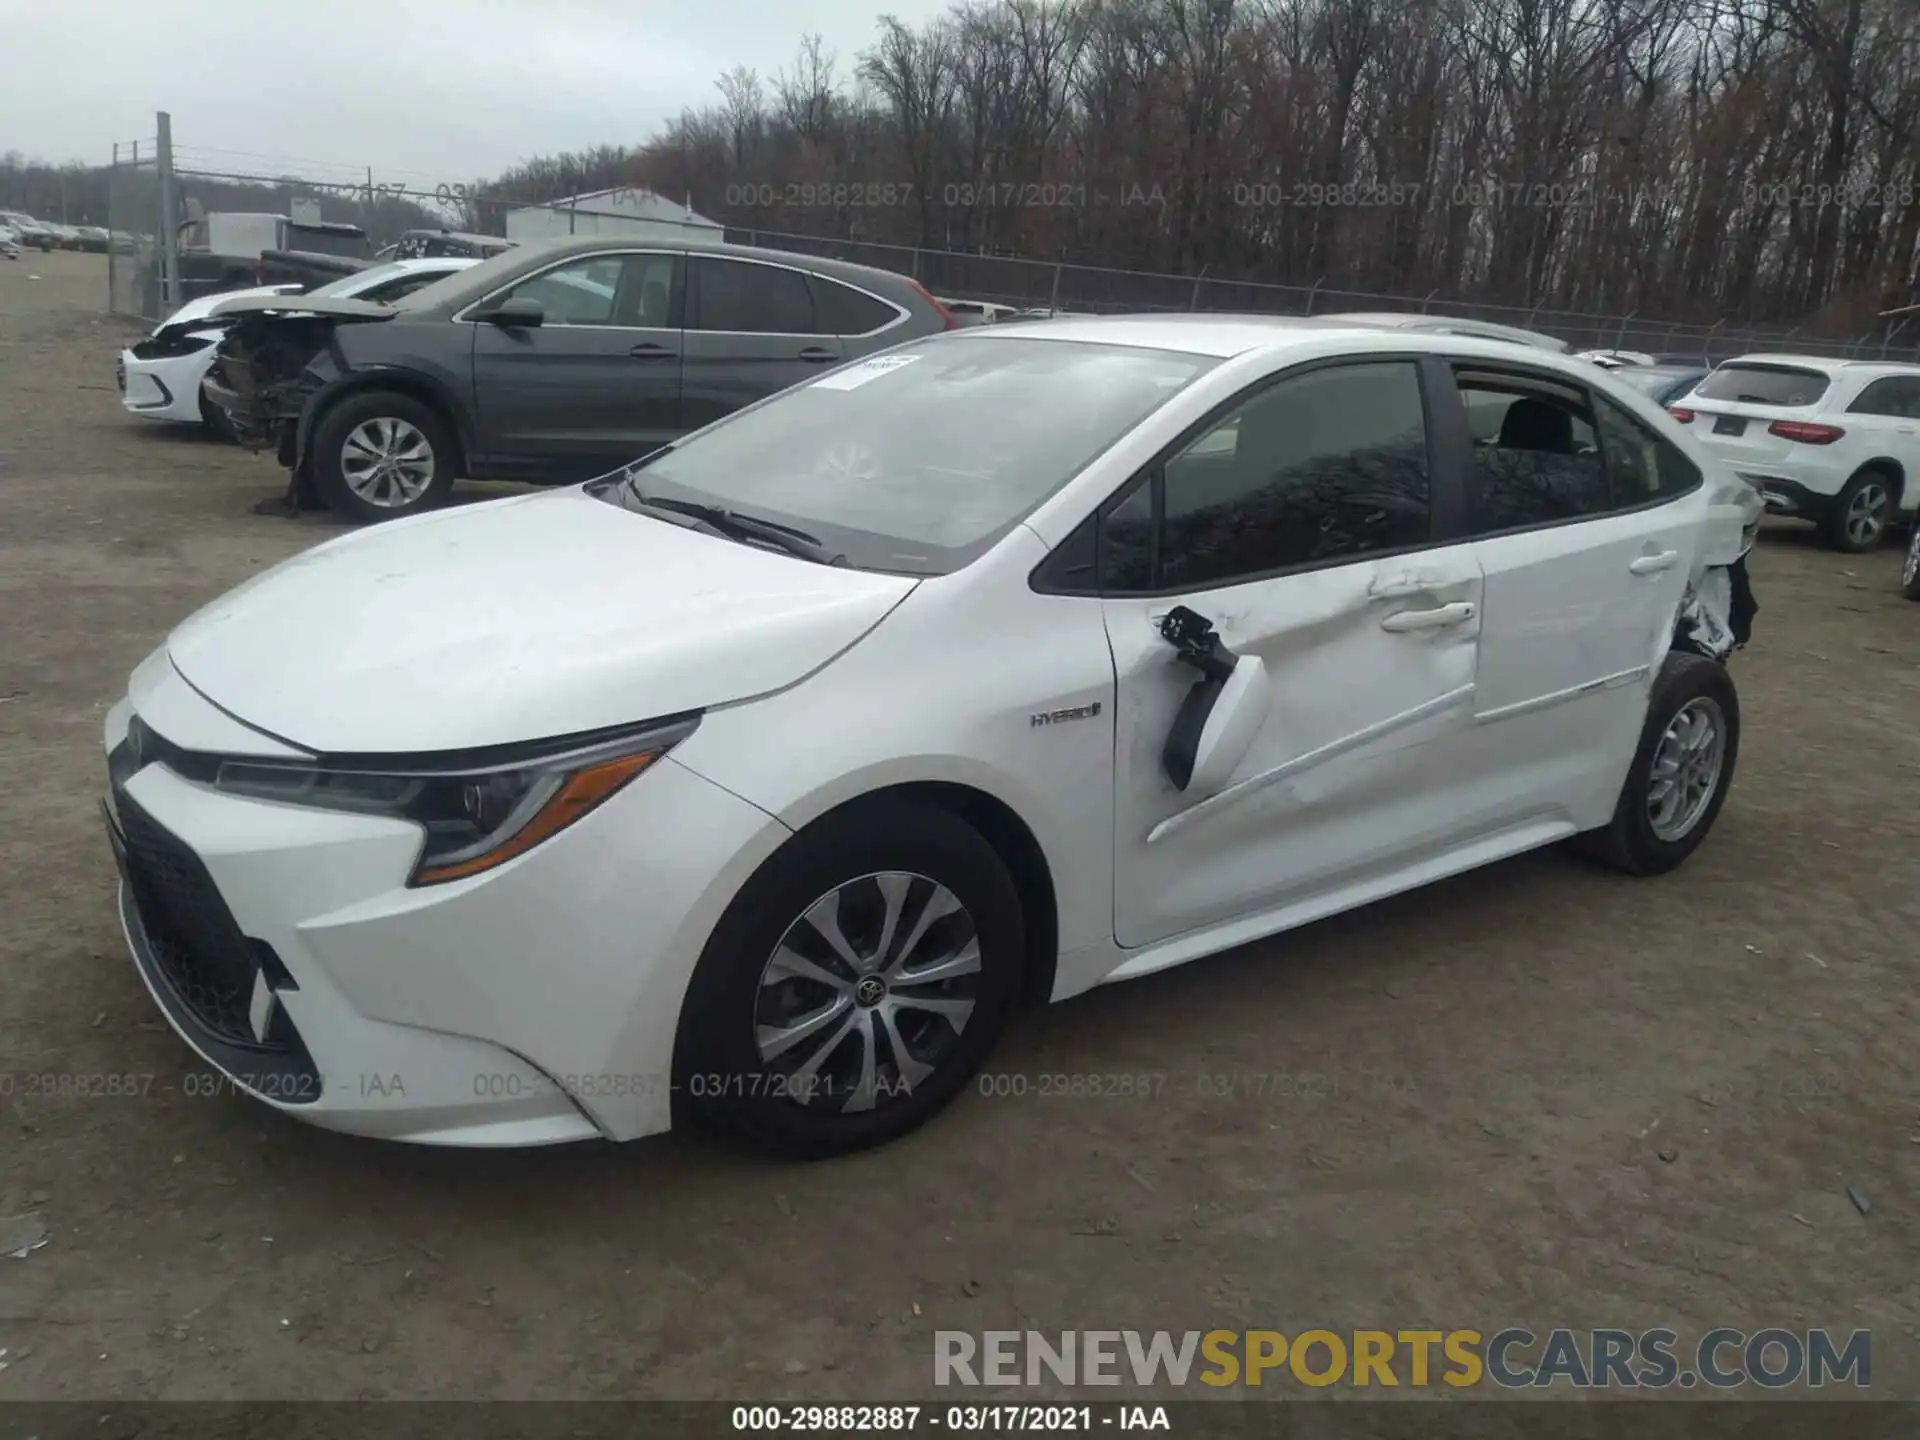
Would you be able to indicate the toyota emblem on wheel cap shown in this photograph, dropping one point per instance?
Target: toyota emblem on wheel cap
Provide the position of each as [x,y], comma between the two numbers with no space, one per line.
[870,991]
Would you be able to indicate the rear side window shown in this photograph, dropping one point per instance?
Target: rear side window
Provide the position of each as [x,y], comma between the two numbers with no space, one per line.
[1536,454]
[1644,466]
[846,311]
[745,299]
[1895,395]
[1790,386]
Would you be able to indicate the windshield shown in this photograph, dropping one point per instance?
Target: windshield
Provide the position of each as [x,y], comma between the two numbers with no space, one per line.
[918,459]
[1650,379]
[1787,386]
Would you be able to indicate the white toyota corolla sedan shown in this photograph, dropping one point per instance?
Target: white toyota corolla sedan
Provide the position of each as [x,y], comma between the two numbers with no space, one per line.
[761,780]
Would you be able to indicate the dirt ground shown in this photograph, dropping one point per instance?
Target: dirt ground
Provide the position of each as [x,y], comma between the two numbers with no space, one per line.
[1537,1095]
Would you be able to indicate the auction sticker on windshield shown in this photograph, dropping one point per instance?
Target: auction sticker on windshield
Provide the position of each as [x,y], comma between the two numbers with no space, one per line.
[854,376]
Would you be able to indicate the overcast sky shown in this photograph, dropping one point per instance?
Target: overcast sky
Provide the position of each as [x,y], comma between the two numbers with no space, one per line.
[433,90]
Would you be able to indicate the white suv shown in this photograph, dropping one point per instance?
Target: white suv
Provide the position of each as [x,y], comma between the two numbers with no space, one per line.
[1832,441]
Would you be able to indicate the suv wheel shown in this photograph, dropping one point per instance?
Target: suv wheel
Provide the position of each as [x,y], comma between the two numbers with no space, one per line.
[379,455]
[1860,512]
[1681,771]
[1910,569]
[855,983]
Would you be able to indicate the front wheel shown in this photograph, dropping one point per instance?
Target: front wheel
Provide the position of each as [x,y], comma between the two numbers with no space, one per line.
[1910,569]
[855,984]
[1681,771]
[380,455]
[1860,513]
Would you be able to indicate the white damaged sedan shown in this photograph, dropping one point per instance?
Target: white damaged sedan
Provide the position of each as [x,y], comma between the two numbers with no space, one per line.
[758,782]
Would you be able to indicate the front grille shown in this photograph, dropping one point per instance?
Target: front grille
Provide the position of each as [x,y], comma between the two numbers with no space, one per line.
[120,373]
[205,959]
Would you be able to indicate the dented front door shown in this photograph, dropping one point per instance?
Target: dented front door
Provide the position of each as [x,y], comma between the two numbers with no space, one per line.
[1364,762]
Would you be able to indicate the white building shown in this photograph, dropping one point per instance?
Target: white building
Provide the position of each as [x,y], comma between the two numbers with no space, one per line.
[620,211]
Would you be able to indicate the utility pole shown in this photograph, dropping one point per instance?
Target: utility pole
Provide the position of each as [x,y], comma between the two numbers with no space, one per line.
[169,216]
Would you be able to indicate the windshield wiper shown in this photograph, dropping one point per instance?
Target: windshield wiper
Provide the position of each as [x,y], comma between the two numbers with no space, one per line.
[743,527]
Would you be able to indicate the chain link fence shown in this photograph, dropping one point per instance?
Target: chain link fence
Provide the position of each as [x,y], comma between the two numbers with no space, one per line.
[133,229]
[385,209]
[1065,286]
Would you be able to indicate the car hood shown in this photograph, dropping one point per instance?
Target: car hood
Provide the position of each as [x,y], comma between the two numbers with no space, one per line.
[332,306]
[516,620]
[203,307]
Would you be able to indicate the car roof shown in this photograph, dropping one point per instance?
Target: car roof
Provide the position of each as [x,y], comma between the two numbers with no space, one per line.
[1225,335]
[613,240]
[530,256]
[1827,365]
[1457,324]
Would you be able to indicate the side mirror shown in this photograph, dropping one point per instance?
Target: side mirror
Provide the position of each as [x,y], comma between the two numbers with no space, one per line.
[1224,710]
[1216,726]
[516,314]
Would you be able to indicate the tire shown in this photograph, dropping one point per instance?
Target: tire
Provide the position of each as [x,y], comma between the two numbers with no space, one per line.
[219,424]
[413,431]
[807,1099]
[1910,567]
[1858,520]
[1632,841]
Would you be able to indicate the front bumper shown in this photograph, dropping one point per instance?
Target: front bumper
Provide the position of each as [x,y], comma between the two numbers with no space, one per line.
[163,389]
[534,1004]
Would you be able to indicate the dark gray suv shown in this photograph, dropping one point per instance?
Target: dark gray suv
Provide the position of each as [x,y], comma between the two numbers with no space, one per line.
[550,363]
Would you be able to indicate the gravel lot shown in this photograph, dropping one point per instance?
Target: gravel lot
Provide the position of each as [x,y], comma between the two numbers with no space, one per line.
[1536,1095]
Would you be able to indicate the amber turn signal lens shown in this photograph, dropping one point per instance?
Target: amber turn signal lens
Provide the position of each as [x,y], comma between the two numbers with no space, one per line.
[583,790]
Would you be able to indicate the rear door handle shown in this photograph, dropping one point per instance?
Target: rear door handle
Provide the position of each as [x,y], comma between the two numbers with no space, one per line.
[815,354]
[1654,564]
[1458,613]
[647,350]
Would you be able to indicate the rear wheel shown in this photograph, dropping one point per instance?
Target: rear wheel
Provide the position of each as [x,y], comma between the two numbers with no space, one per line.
[1681,771]
[1861,512]
[855,984]
[380,455]
[1910,568]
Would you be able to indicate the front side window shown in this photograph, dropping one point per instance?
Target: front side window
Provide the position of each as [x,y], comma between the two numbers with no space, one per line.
[1319,468]
[746,299]
[1536,459]
[918,459]
[580,293]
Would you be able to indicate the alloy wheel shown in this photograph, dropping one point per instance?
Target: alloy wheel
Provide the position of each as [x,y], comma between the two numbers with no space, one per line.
[867,992]
[1686,769]
[387,462]
[1910,571]
[1867,513]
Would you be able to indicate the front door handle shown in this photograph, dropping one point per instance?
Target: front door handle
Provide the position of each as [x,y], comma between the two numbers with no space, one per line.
[816,354]
[647,350]
[1458,613]
[1654,564]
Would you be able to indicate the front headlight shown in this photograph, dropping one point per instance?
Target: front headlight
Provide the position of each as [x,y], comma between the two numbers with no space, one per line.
[474,815]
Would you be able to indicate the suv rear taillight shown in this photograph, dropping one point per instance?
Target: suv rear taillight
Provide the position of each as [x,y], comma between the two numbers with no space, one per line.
[947,317]
[1681,413]
[1805,431]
